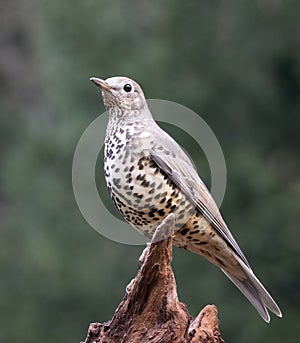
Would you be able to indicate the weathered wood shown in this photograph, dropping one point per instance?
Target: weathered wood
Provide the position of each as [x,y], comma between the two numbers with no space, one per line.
[150,311]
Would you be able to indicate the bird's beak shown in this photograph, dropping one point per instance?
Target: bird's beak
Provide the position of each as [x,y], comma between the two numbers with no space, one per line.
[101,83]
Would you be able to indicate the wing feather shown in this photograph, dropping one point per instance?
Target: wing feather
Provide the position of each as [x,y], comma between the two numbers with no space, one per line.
[173,161]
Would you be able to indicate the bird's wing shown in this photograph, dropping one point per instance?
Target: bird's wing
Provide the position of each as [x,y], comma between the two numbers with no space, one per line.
[173,161]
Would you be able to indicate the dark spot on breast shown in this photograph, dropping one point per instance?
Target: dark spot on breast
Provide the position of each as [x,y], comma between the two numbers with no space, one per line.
[170,182]
[140,196]
[145,183]
[168,205]
[159,186]
[109,153]
[184,231]
[116,182]
[140,177]
[157,196]
[161,212]
[173,208]
[119,146]
[180,216]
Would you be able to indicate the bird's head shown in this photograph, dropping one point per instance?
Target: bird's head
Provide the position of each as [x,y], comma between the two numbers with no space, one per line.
[121,94]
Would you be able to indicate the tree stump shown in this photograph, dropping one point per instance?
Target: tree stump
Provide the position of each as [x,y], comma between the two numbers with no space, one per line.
[150,311]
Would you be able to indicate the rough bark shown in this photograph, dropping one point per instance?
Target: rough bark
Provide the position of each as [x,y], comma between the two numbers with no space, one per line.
[150,310]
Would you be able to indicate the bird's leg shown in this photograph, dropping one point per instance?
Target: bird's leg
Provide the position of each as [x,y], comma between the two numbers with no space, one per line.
[164,230]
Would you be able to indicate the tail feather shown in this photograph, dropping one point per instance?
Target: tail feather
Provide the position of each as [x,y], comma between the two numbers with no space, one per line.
[255,292]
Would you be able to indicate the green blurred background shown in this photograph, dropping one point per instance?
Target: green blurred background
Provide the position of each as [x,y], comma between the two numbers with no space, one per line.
[236,63]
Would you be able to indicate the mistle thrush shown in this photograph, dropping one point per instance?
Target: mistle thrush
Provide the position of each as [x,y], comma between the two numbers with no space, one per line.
[148,176]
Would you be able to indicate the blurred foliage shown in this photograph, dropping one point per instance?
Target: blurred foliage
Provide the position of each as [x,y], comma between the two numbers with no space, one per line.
[236,63]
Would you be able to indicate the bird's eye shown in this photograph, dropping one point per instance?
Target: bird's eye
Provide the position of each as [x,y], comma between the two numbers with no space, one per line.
[127,88]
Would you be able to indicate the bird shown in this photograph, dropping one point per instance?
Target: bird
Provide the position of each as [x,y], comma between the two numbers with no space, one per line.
[149,176]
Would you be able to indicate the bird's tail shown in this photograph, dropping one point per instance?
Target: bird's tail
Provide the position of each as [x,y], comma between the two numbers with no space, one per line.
[255,292]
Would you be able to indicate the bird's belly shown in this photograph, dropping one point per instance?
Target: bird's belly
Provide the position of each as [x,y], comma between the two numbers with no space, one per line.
[145,195]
